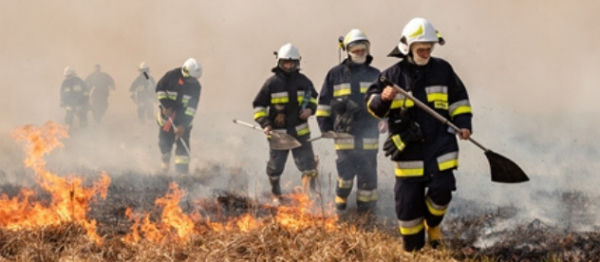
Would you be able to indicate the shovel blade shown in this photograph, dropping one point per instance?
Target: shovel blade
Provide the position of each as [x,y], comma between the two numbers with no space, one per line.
[505,170]
[280,141]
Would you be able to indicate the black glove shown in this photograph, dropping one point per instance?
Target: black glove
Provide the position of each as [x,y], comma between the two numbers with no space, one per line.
[394,146]
[346,111]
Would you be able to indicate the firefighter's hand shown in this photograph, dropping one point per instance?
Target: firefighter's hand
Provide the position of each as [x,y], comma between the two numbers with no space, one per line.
[167,111]
[306,113]
[388,94]
[383,127]
[179,130]
[267,130]
[393,146]
[464,133]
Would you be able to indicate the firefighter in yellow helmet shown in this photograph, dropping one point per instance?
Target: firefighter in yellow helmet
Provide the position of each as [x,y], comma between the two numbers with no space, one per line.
[424,150]
[342,109]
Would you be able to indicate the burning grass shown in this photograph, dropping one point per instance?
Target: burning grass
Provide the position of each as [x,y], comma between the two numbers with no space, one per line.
[149,218]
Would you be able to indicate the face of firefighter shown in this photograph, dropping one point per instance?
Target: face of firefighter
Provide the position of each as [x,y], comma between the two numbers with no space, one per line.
[421,52]
[358,53]
[289,65]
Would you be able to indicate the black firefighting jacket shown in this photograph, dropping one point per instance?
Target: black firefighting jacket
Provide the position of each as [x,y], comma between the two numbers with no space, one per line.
[179,93]
[349,81]
[74,92]
[436,85]
[284,93]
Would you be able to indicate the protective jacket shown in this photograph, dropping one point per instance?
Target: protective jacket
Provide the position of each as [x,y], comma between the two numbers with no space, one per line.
[179,93]
[436,85]
[342,107]
[285,93]
[74,92]
[143,89]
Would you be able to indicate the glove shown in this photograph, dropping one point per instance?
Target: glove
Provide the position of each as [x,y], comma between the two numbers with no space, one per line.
[393,146]
[179,130]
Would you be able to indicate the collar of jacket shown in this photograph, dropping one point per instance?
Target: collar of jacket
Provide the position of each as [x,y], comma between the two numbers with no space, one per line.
[279,71]
[348,62]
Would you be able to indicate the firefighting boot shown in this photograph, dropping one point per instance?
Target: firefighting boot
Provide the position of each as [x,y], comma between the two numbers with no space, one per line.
[164,167]
[275,188]
[434,235]
[166,159]
[309,182]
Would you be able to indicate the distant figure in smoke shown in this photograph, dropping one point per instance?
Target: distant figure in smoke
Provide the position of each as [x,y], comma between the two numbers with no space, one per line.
[101,84]
[178,92]
[424,150]
[142,93]
[284,103]
[342,109]
[74,97]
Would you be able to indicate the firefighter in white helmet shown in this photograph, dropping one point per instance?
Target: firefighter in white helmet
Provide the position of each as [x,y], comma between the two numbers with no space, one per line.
[142,93]
[342,109]
[284,103]
[74,97]
[423,150]
[178,92]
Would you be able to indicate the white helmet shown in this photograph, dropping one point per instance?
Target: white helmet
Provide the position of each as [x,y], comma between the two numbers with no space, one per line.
[143,67]
[69,71]
[288,52]
[417,30]
[355,35]
[191,68]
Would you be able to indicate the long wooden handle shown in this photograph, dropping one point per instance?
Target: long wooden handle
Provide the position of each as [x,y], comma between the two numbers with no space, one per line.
[428,109]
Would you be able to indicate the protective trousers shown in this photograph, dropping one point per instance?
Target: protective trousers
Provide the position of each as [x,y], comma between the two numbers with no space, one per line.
[99,107]
[81,114]
[362,164]
[145,111]
[304,158]
[420,205]
[165,143]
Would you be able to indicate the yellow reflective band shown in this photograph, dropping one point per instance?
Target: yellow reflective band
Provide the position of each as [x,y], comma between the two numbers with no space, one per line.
[370,146]
[437,97]
[345,183]
[344,146]
[366,195]
[398,142]
[461,110]
[363,89]
[409,172]
[313,100]
[371,111]
[279,100]
[339,200]
[433,210]
[398,103]
[182,160]
[448,164]
[342,92]
[325,113]
[344,143]
[412,230]
[159,120]
[190,111]
[260,114]
[161,95]
[302,129]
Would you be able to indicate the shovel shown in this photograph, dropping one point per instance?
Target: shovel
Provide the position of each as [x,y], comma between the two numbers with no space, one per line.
[503,169]
[278,141]
[331,134]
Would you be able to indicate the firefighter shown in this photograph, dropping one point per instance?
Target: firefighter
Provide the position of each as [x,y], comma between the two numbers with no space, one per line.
[284,103]
[178,92]
[74,97]
[424,150]
[142,92]
[342,109]
[101,84]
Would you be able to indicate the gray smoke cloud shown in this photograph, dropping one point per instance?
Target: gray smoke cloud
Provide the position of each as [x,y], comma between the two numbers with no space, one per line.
[528,66]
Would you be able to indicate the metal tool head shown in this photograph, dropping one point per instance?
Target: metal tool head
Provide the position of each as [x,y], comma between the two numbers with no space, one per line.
[504,170]
[281,141]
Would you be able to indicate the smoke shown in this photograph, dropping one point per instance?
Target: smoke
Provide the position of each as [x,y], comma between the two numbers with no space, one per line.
[528,66]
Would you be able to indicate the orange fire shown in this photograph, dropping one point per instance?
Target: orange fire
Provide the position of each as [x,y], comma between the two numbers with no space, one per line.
[69,198]
[178,226]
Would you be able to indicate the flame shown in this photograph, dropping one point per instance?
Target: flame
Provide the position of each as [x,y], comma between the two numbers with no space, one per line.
[69,198]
